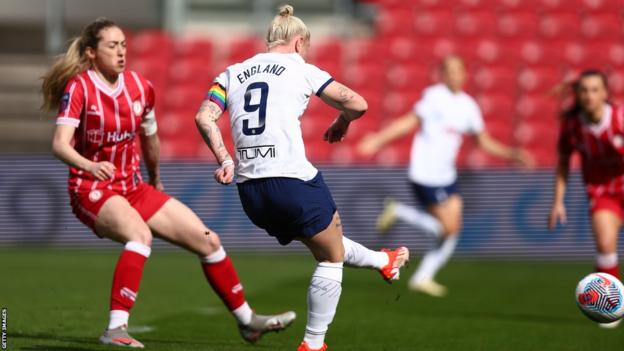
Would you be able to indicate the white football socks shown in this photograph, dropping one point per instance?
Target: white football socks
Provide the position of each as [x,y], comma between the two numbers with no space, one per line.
[323,297]
[606,260]
[117,319]
[434,259]
[357,255]
[243,314]
[418,219]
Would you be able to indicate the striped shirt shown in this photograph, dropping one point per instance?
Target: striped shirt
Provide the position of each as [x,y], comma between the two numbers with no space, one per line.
[107,121]
[601,147]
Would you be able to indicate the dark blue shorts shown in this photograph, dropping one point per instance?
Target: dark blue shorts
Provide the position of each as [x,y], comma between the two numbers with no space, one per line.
[288,208]
[433,195]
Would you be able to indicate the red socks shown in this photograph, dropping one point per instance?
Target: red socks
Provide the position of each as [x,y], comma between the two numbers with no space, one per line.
[128,275]
[222,276]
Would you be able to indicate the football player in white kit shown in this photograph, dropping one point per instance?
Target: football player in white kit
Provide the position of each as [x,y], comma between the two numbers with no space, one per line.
[444,114]
[279,189]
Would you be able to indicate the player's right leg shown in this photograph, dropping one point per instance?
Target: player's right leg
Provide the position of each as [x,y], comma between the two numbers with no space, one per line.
[325,286]
[117,220]
[606,223]
[449,213]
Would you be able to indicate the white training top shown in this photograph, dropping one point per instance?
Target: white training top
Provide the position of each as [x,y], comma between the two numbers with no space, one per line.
[266,97]
[445,117]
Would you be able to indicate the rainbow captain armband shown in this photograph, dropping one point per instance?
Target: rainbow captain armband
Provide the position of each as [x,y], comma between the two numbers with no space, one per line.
[217,94]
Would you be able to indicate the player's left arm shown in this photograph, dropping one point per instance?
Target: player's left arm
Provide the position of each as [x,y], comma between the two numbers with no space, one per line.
[206,121]
[498,149]
[150,147]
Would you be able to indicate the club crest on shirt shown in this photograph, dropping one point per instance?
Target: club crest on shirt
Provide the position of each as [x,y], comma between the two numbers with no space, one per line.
[137,108]
[95,195]
[95,136]
[64,102]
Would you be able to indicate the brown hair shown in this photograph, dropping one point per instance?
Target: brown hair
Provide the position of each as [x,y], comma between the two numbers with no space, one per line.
[574,86]
[72,62]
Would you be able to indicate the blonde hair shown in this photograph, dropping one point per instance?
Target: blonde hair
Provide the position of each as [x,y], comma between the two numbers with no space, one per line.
[284,27]
[71,63]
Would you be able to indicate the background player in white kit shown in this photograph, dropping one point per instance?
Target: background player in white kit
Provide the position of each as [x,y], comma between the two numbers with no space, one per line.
[445,113]
[279,189]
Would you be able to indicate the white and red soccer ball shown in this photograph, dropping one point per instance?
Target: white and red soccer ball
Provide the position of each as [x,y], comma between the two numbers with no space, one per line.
[600,297]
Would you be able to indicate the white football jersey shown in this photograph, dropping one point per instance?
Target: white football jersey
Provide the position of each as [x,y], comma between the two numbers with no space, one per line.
[445,117]
[266,97]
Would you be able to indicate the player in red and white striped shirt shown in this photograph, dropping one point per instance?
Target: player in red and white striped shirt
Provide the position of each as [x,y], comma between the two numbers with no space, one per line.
[594,128]
[102,109]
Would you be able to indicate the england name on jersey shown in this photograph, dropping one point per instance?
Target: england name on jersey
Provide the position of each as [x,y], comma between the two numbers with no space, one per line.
[266,97]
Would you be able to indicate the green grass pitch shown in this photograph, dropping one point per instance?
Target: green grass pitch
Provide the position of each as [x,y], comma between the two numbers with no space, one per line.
[57,300]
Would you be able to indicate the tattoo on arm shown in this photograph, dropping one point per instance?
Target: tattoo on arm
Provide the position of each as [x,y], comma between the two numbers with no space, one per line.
[210,131]
[345,94]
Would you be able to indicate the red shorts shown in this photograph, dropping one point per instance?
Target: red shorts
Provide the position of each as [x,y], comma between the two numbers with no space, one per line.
[145,199]
[612,203]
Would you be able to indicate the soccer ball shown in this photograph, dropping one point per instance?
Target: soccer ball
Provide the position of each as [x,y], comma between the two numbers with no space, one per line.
[600,297]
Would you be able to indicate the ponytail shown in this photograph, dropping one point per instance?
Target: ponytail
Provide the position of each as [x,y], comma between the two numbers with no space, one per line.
[285,26]
[70,63]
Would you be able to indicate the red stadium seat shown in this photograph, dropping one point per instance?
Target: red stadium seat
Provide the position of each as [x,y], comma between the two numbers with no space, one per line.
[535,52]
[574,53]
[328,50]
[603,27]
[501,79]
[531,107]
[601,6]
[486,51]
[475,24]
[398,103]
[441,47]
[365,75]
[540,129]
[194,48]
[431,4]
[559,26]
[434,23]
[397,153]
[519,5]
[518,25]
[153,70]
[400,77]
[365,51]
[394,22]
[501,130]
[192,71]
[478,5]
[558,6]
[181,97]
[539,79]
[243,48]
[616,82]
[318,151]
[498,106]
[154,44]
[606,53]
[313,126]
[401,49]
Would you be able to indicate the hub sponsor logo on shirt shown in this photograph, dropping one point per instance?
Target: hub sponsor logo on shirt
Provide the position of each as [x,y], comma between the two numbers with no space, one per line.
[116,137]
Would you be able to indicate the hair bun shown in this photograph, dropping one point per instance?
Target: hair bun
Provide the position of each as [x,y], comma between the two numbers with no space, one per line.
[286,10]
